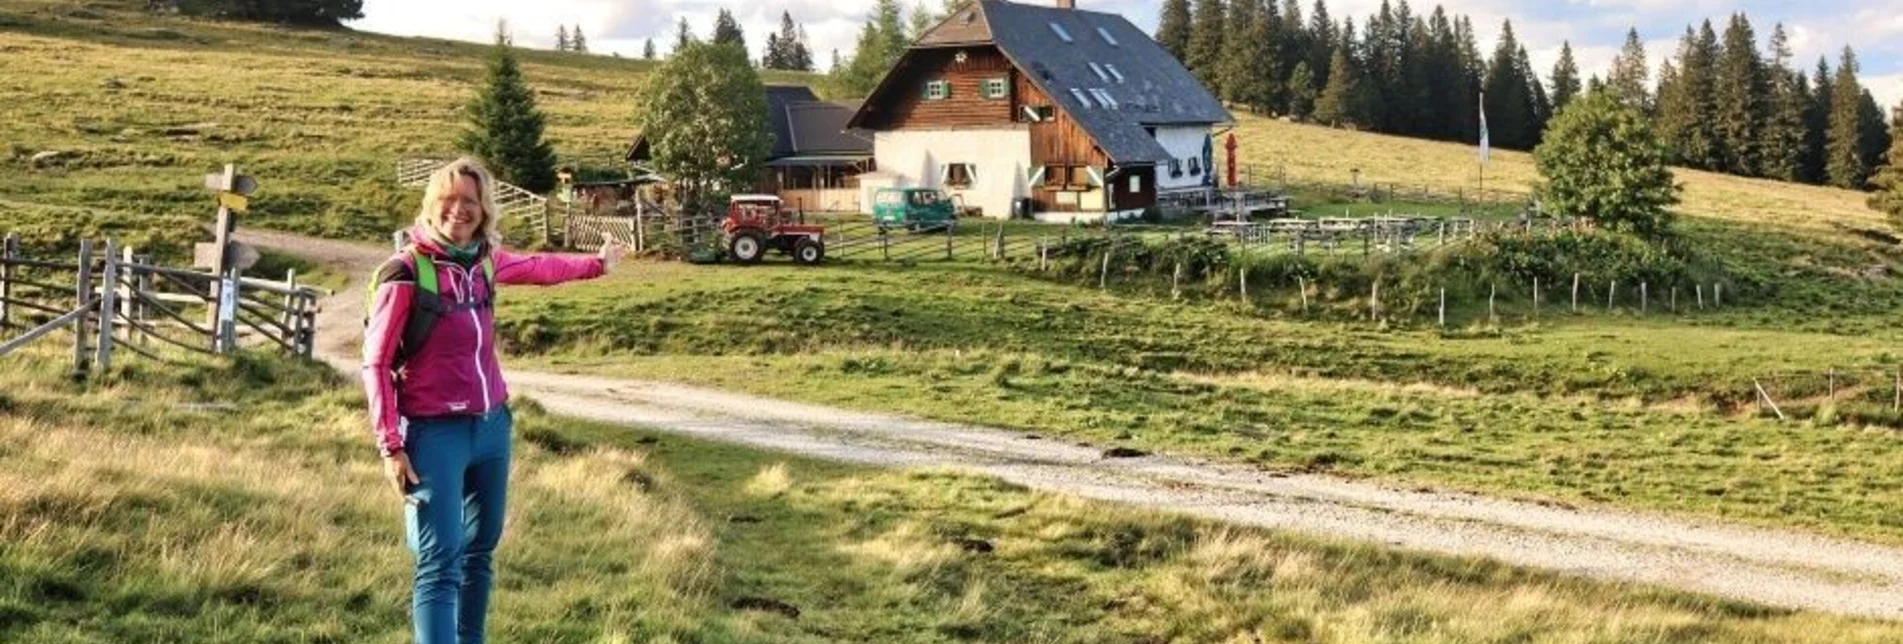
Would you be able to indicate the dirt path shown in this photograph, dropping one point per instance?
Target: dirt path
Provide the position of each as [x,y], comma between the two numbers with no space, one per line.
[1786,569]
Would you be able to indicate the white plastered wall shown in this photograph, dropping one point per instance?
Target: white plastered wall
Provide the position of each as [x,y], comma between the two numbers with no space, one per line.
[917,158]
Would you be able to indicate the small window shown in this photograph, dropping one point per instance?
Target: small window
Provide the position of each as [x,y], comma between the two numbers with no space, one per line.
[1103,98]
[1113,72]
[937,90]
[1080,176]
[1136,184]
[996,88]
[1054,176]
[1195,167]
[1101,74]
[1081,98]
[960,176]
[1107,37]
[1061,33]
[1176,167]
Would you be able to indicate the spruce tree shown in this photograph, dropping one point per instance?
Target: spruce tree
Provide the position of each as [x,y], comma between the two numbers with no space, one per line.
[1301,91]
[785,48]
[727,30]
[921,20]
[774,56]
[1685,116]
[1817,125]
[1844,141]
[577,42]
[1237,73]
[1206,44]
[1888,182]
[561,38]
[1172,30]
[1876,134]
[1782,157]
[505,128]
[1448,96]
[647,49]
[1336,106]
[1294,46]
[1509,97]
[1321,42]
[800,55]
[1473,73]
[1741,108]
[1630,75]
[1565,78]
[683,37]
[1542,104]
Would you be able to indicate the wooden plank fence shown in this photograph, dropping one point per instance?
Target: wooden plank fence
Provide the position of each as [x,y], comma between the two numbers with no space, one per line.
[114,299]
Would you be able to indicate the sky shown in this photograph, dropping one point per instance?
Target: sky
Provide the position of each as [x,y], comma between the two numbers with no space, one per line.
[1596,28]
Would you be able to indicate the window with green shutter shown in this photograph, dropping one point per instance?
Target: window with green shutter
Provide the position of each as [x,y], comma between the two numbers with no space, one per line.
[937,90]
[997,88]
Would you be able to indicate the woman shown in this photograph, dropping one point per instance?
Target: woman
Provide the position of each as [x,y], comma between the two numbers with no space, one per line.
[438,405]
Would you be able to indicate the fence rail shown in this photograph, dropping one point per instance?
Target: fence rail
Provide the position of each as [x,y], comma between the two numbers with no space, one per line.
[114,299]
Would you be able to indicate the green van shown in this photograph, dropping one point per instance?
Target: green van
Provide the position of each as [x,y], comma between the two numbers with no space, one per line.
[913,208]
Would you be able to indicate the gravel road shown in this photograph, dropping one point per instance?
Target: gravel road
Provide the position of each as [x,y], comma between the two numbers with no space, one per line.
[1785,569]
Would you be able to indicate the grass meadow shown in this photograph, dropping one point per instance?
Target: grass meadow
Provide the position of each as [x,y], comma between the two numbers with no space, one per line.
[238,500]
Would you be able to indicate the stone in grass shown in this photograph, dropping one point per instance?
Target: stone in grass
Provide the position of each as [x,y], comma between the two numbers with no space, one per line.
[767,604]
[974,545]
[50,157]
[1124,452]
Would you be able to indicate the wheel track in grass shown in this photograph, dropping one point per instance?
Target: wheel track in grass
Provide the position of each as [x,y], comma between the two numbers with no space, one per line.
[1784,569]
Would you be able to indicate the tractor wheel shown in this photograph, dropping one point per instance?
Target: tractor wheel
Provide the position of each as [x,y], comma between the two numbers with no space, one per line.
[808,251]
[745,247]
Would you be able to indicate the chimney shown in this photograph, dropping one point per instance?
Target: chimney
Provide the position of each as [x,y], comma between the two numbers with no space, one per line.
[1067,4]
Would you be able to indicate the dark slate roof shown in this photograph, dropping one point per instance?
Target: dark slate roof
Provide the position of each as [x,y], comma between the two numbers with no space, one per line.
[777,98]
[1156,88]
[820,128]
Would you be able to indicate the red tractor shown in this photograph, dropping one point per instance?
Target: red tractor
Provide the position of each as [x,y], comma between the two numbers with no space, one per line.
[757,223]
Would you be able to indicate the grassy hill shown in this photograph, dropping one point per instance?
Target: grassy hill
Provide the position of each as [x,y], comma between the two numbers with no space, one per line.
[237,501]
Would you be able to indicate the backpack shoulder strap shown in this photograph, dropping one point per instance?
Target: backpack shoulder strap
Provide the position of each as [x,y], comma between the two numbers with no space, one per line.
[425,271]
[391,270]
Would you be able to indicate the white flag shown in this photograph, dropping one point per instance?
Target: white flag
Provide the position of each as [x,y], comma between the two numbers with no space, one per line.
[1484,146]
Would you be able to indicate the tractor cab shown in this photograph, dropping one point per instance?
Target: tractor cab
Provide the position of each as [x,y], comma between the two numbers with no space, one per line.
[758,223]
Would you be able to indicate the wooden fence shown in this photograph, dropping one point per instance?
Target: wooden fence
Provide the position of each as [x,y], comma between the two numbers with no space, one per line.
[114,299]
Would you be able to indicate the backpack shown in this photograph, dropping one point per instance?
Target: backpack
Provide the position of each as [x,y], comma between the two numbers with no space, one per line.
[427,306]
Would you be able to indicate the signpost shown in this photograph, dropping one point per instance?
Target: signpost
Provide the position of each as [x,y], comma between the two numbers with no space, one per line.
[226,258]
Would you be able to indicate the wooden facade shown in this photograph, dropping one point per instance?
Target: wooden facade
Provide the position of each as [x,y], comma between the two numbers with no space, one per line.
[965,106]
[1059,144]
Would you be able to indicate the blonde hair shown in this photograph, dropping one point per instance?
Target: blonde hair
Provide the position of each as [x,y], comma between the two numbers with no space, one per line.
[443,183]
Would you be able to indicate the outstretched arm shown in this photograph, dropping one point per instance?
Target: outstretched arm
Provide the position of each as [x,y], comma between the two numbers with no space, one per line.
[547,269]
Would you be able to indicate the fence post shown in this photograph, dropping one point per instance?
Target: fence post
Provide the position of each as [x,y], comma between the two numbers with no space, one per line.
[1242,277]
[1302,283]
[1674,299]
[143,286]
[1717,295]
[1492,318]
[82,288]
[290,298]
[1897,405]
[225,332]
[1831,389]
[1000,241]
[8,251]
[1443,306]
[1575,292]
[125,293]
[1536,296]
[885,244]
[1612,287]
[1176,282]
[1701,295]
[108,306]
[1374,299]
[1043,256]
[1103,277]
[948,239]
[1644,298]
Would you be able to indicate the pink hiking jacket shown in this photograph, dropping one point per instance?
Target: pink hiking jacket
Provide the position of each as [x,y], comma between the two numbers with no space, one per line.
[455,373]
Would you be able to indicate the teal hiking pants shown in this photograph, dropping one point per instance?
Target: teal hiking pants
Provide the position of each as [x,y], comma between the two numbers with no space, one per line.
[455,521]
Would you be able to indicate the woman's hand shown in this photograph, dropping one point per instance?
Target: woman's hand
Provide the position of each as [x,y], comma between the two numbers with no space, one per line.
[396,468]
[611,253]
